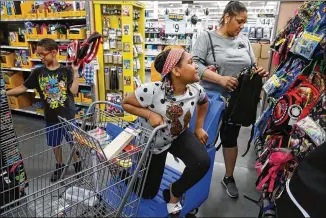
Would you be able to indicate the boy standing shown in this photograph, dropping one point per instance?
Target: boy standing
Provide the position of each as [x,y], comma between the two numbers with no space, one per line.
[57,85]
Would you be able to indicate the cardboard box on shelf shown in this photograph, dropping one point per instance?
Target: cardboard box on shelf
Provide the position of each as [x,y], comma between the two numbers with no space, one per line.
[256,47]
[265,48]
[13,79]
[263,62]
[20,101]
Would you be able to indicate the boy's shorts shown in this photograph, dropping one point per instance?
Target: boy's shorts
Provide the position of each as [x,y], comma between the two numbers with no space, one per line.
[55,133]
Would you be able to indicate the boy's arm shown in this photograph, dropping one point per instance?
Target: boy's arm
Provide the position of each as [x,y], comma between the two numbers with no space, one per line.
[30,83]
[16,91]
[75,82]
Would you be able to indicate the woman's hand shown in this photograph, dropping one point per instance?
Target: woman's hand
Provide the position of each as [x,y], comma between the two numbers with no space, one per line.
[201,135]
[155,119]
[228,82]
[261,71]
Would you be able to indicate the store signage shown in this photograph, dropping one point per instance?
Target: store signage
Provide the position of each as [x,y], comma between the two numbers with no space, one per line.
[266,19]
[175,24]
[176,17]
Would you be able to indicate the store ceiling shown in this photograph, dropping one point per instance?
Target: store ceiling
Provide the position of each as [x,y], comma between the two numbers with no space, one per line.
[215,7]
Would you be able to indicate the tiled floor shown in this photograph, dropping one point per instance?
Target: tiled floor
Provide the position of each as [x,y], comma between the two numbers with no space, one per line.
[218,204]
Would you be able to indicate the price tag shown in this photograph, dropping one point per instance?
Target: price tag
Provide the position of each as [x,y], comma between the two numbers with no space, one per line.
[175,24]
[266,19]
[175,27]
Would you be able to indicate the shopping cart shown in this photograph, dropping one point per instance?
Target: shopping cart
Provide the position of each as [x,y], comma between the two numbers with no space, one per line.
[109,184]
[101,188]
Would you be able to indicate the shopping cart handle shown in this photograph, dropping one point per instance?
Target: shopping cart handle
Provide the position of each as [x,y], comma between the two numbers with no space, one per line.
[93,104]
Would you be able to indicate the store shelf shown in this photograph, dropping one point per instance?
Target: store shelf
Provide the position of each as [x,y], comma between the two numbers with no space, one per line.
[28,110]
[152,32]
[60,61]
[151,55]
[83,84]
[163,43]
[44,19]
[57,40]
[12,47]
[154,43]
[82,104]
[17,69]
[30,90]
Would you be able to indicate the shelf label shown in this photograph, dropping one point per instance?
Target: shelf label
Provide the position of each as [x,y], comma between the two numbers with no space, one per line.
[175,24]
[266,19]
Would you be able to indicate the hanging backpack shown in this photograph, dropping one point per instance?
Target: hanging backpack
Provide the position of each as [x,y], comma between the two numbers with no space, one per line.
[297,102]
[279,82]
[242,105]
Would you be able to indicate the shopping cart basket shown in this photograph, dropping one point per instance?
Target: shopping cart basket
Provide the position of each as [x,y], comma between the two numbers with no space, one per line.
[109,184]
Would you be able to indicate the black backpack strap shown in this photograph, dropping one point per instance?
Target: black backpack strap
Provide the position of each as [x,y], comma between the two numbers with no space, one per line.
[219,146]
[250,140]
[212,48]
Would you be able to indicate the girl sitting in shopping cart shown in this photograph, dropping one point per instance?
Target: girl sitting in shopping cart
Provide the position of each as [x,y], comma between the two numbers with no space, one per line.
[173,101]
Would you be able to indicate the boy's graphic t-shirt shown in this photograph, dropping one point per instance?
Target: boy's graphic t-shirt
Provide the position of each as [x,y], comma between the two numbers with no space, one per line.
[54,88]
[177,112]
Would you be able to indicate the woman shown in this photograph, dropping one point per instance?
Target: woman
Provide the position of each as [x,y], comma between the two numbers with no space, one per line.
[233,53]
[173,101]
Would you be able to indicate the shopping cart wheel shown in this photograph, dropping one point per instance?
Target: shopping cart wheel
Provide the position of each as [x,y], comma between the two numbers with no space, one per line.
[194,211]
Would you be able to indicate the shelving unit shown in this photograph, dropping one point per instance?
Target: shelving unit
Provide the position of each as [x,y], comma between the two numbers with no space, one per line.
[10,157]
[12,47]
[14,24]
[120,20]
[44,19]
[17,69]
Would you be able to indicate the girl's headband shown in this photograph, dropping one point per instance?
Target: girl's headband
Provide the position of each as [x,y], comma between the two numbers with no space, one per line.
[172,60]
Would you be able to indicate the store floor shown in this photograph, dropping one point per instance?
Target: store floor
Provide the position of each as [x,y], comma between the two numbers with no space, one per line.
[218,203]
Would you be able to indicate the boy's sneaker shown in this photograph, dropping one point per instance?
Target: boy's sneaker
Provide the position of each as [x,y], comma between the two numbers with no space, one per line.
[57,173]
[230,186]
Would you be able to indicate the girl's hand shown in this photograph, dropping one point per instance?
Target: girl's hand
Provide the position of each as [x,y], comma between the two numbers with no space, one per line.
[201,135]
[261,71]
[155,119]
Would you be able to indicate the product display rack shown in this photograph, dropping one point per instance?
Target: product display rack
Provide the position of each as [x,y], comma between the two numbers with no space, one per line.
[157,40]
[9,154]
[33,60]
[111,17]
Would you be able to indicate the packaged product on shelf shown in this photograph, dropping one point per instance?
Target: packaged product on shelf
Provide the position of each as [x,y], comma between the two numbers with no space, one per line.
[113,78]
[106,44]
[139,49]
[306,45]
[107,78]
[7,59]
[13,79]
[115,98]
[120,76]
[119,45]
